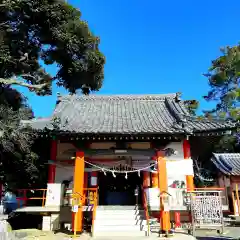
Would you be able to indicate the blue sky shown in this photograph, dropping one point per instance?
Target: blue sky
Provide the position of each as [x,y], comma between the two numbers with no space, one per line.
[155,46]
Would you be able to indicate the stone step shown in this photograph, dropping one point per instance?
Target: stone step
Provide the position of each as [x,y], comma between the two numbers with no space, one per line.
[122,221]
[120,234]
[125,228]
[119,212]
[120,216]
[116,207]
[119,222]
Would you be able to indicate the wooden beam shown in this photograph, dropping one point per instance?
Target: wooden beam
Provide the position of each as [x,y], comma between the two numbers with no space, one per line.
[116,152]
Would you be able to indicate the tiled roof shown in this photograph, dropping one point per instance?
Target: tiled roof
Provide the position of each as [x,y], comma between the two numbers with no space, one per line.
[126,114]
[227,163]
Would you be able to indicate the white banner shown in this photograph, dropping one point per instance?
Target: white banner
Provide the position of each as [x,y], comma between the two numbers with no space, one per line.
[180,167]
[54,194]
[153,198]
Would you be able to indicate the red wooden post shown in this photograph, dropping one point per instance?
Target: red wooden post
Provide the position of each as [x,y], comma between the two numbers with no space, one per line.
[163,187]
[52,167]
[24,197]
[146,179]
[155,180]
[78,186]
[177,218]
[187,155]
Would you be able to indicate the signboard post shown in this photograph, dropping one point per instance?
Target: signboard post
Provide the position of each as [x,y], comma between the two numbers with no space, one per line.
[76,203]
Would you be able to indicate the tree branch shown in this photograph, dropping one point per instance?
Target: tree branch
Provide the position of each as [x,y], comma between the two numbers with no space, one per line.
[23,84]
[2,24]
[7,60]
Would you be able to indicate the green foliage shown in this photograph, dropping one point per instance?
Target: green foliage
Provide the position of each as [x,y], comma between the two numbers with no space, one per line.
[227,143]
[33,32]
[51,31]
[224,78]
[17,161]
[192,106]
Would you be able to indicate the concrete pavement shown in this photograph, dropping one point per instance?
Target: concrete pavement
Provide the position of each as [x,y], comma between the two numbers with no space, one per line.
[230,233]
[177,236]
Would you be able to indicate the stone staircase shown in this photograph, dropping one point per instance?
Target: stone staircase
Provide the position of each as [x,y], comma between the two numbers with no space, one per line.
[120,221]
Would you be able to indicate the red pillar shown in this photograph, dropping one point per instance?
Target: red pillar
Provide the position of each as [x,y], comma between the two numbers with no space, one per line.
[78,188]
[85,179]
[146,179]
[52,167]
[146,184]
[187,155]
[155,180]
[177,218]
[163,187]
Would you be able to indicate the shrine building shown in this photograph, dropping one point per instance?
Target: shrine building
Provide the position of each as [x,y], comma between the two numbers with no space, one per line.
[112,143]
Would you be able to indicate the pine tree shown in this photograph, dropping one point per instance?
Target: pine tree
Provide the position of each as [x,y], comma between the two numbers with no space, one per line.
[224,81]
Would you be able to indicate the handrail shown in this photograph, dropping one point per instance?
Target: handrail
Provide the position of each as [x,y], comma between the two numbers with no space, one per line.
[145,206]
[24,198]
[88,194]
[201,189]
[84,189]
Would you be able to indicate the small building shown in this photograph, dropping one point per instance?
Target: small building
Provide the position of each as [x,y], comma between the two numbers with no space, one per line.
[112,144]
[228,165]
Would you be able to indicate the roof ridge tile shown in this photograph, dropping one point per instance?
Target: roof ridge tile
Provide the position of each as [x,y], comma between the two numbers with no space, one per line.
[118,97]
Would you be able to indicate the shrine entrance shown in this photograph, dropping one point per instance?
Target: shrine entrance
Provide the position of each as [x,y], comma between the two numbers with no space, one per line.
[118,190]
